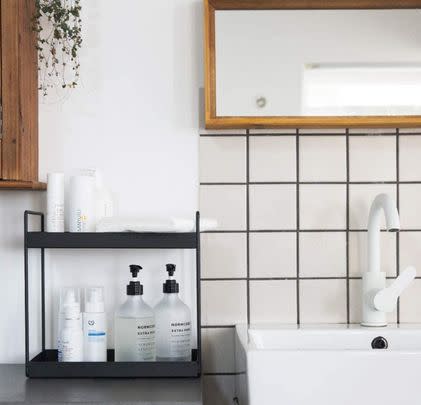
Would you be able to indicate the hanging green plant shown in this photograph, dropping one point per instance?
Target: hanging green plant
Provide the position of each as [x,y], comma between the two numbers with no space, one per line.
[59,28]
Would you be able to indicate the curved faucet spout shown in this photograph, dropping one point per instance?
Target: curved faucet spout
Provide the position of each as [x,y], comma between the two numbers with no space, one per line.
[381,202]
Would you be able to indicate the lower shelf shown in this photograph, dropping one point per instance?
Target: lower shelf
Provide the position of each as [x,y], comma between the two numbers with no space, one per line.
[45,365]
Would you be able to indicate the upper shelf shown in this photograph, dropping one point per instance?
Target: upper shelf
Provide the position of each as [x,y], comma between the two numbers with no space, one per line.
[111,240]
[22,185]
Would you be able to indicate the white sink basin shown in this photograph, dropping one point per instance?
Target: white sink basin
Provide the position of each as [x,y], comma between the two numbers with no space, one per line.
[328,365]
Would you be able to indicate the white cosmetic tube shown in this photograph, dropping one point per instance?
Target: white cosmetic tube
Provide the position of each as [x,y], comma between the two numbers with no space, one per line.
[82,204]
[55,202]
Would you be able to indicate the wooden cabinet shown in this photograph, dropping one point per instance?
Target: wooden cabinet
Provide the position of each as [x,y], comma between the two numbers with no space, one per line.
[19,97]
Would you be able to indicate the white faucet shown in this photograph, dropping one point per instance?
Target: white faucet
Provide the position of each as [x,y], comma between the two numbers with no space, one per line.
[377,299]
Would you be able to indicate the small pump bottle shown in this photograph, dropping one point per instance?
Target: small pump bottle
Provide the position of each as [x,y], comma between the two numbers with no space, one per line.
[134,324]
[69,304]
[173,323]
[94,325]
[70,342]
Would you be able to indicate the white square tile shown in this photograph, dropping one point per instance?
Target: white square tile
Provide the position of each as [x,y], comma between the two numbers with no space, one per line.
[222,159]
[273,254]
[410,130]
[410,158]
[361,196]
[323,158]
[372,158]
[410,250]
[218,389]
[226,204]
[372,131]
[322,131]
[355,303]
[270,131]
[218,350]
[358,253]
[272,206]
[323,301]
[224,255]
[322,206]
[322,254]
[228,311]
[272,158]
[273,301]
[410,303]
[409,206]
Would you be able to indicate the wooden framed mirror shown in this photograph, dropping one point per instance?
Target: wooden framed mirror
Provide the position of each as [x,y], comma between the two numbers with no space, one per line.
[312,63]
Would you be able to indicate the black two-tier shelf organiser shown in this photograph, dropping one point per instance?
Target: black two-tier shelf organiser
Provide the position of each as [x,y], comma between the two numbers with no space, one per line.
[45,363]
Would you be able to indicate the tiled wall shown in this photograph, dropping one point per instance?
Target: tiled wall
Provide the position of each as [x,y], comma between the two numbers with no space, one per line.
[292,208]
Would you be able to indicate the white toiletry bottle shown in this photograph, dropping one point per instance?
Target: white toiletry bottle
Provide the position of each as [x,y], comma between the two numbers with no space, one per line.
[71,334]
[134,333]
[55,202]
[104,204]
[173,323]
[94,325]
[82,204]
[69,302]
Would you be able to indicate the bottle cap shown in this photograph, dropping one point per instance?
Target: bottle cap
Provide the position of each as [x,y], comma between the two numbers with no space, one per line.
[170,286]
[94,299]
[134,287]
[70,300]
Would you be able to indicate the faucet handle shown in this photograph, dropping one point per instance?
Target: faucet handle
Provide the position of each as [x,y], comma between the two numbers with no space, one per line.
[385,300]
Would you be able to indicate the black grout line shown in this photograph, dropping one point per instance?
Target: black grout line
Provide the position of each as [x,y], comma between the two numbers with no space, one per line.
[248,223]
[297,238]
[398,307]
[301,231]
[303,278]
[348,306]
[312,134]
[308,134]
[275,278]
[308,183]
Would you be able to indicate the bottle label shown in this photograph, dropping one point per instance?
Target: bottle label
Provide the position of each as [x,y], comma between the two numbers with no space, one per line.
[180,339]
[95,336]
[135,339]
[71,348]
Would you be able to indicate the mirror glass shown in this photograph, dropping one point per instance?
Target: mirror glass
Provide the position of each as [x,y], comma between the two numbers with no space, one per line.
[318,62]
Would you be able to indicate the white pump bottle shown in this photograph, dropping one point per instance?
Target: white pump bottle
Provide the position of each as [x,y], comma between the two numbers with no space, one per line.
[173,323]
[134,325]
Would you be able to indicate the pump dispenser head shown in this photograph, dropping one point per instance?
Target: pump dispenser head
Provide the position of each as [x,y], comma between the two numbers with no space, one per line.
[94,299]
[134,287]
[70,302]
[170,286]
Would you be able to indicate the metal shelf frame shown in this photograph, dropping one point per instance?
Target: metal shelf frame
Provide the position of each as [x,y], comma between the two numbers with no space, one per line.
[45,364]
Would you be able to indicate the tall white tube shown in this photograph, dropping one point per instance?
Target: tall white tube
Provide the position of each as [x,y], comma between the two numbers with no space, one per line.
[55,202]
[82,204]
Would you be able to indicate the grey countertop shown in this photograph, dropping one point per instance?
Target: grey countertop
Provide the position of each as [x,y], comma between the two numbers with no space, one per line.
[16,388]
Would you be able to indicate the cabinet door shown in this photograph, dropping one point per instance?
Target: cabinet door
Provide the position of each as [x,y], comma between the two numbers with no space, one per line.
[19,92]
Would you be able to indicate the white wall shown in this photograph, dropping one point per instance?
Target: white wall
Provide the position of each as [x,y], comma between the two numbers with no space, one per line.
[135,117]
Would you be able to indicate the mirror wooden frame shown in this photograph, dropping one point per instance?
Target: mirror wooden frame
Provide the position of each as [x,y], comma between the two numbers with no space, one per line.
[212,121]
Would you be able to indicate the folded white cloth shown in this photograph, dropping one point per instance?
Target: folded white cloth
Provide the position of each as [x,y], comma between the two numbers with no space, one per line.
[148,224]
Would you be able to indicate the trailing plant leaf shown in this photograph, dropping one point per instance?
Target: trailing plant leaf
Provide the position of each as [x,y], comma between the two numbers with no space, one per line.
[58,25]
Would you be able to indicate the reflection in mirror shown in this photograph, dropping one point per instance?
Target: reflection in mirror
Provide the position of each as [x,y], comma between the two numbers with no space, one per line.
[318,62]
[374,89]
